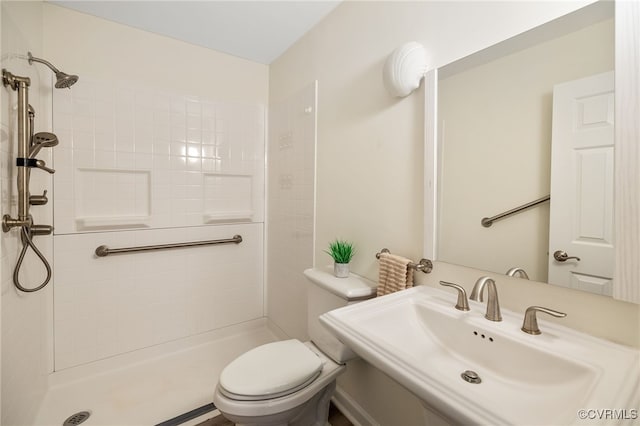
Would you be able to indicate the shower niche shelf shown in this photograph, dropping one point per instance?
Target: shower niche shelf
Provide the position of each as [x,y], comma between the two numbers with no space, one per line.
[113,222]
[229,216]
[112,198]
[228,198]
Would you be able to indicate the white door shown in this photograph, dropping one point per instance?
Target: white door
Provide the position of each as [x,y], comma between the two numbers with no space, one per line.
[581,222]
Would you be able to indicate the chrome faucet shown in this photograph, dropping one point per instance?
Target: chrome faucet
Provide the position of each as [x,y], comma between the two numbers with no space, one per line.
[493,306]
[513,272]
[476,293]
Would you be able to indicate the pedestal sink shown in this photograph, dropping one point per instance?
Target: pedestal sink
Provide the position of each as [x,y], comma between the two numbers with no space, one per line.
[418,338]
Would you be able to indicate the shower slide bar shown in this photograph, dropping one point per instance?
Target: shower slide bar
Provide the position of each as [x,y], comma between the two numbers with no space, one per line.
[103,251]
[425,265]
[488,221]
[29,145]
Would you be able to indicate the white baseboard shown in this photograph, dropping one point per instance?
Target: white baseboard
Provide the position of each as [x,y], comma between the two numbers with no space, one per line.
[351,409]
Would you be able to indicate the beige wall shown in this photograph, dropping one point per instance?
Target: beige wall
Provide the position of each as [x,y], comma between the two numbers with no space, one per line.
[109,51]
[495,122]
[370,148]
[370,144]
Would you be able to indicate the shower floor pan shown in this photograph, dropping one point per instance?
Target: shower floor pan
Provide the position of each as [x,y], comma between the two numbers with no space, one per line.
[152,385]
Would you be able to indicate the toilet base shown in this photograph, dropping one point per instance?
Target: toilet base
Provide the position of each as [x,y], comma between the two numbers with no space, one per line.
[313,412]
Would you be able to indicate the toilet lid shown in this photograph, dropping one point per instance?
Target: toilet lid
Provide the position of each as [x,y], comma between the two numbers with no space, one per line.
[270,371]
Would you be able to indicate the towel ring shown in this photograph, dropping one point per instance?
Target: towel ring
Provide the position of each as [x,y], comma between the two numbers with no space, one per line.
[425,265]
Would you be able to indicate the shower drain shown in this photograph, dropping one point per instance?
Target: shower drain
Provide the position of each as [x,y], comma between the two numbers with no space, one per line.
[77,418]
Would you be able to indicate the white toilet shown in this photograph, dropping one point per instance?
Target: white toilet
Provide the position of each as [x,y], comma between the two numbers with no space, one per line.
[291,382]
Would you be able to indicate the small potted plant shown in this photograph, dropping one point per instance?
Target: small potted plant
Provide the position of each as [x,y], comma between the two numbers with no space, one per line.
[342,252]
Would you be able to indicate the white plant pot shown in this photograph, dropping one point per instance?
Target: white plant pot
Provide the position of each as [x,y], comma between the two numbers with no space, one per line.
[341,270]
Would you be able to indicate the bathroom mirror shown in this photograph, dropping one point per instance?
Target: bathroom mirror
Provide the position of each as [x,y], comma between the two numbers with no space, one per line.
[498,134]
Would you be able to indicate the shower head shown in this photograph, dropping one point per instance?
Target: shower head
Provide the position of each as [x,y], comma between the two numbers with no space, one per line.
[42,140]
[63,80]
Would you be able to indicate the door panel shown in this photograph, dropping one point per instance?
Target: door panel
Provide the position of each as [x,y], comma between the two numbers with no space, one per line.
[581,211]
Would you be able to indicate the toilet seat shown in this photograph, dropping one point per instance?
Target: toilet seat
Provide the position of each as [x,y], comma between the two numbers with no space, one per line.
[270,371]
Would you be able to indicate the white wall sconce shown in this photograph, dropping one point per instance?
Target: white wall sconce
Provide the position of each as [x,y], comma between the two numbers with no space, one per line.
[405,68]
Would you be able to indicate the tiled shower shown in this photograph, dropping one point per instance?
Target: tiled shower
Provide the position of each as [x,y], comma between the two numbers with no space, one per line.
[145,166]
[142,163]
[149,158]
[139,163]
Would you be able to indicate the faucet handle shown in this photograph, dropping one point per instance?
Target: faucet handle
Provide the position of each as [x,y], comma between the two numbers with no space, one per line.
[462,304]
[39,200]
[530,323]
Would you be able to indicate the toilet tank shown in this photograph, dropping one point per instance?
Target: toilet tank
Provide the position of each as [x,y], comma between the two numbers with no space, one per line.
[325,293]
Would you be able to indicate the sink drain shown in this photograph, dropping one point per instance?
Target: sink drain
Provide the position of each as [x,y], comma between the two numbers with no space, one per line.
[77,418]
[471,377]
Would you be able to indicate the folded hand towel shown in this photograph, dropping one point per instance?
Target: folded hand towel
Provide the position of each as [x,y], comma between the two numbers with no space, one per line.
[395,274]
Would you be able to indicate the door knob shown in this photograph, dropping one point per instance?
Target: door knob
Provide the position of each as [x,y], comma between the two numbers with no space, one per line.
[562,256]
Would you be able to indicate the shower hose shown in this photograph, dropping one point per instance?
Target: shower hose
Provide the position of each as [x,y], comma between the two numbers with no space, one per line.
[26,243]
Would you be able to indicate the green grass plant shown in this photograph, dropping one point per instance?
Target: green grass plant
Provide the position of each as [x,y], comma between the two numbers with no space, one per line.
[341,251]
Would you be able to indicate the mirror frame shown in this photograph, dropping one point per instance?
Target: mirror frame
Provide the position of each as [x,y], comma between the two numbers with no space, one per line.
[626,156]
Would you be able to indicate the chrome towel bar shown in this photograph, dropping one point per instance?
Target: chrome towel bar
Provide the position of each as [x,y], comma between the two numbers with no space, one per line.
[425,265]
[488,221]
[103,251]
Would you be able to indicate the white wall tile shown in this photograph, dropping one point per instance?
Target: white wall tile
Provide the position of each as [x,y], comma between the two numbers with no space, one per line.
[138,153]
[131,301]
[113,126]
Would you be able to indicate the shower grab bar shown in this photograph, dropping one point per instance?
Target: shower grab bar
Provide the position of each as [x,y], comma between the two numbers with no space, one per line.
[425,265]
[103,251]
[488,221]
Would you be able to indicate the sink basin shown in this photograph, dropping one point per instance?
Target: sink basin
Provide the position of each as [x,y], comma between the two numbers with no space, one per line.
[418,338]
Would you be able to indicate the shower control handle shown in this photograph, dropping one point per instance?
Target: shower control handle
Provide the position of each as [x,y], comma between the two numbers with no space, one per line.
[41,230]
[43,166]
[39,200]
